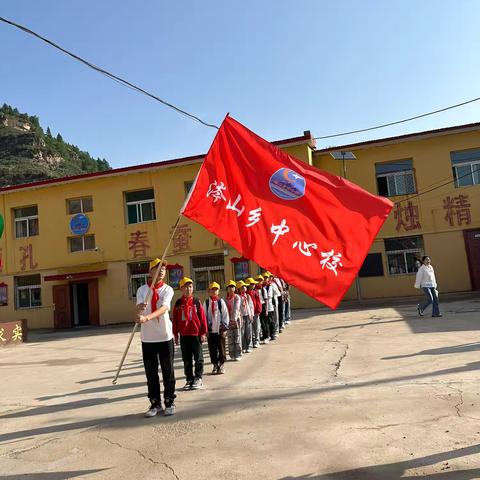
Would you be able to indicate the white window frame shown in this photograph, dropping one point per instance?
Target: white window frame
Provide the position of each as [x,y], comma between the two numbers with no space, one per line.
[395,175]
[138,204]
[472,172]
[82,209]
[29,288]
[83,243]
[26,219]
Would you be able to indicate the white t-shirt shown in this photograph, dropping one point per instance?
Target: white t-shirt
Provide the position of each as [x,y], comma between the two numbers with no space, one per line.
[158,329]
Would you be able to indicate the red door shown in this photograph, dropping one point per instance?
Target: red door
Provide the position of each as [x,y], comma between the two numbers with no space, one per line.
[93,312]
[472,246]
[62,315]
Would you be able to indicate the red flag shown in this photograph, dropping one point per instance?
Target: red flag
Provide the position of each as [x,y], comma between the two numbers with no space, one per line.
[309,227]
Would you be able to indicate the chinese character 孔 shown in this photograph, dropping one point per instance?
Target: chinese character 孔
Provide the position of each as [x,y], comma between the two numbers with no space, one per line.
[331,260]
[278,230]
[234,206]
[138,244]
[215,190]
[254,216]
[459,208]
[17,333]
[305,247]
[407,216]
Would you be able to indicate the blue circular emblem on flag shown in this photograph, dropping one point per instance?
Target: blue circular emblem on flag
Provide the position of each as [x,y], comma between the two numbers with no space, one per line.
[79,224]
[287,184]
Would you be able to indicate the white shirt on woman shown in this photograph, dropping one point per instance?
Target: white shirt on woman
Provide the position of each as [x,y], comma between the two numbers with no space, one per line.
[425,277]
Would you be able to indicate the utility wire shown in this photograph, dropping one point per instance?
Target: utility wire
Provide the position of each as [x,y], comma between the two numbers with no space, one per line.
[108,74]
[399,121]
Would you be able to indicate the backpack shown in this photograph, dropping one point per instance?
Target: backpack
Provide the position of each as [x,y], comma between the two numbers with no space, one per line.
[196,302]
[207,302]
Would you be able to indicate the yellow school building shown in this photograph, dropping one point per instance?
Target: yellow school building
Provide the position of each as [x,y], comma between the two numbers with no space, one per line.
[75,249]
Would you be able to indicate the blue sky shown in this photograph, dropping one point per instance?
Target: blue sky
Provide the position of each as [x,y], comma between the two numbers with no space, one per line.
[280,67]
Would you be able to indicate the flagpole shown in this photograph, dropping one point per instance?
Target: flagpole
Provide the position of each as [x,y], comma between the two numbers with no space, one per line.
[147,299]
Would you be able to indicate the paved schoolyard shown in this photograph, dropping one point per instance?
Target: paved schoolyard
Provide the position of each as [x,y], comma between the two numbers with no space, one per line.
[375,393]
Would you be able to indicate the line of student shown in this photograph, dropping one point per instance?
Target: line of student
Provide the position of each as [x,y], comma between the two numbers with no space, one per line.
[252,313]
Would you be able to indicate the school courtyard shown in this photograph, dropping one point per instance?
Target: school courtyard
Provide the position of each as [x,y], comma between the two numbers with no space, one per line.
[361,393]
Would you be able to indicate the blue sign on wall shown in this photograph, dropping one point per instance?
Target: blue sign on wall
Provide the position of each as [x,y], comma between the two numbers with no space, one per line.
[79,224]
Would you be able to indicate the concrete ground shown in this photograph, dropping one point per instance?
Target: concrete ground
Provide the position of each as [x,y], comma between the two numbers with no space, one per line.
[375,393]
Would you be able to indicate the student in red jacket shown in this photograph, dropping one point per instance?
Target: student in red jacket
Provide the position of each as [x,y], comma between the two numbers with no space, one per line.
[190,323]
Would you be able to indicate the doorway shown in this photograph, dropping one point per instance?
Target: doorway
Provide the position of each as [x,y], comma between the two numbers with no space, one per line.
[472,246]
[79,304]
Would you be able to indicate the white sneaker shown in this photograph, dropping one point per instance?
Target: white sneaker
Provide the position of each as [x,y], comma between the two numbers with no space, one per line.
[170,410]
[197,384]
[152,411]
[237,359]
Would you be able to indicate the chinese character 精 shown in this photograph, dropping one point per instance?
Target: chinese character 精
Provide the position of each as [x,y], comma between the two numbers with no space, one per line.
[459,208]
[336,259]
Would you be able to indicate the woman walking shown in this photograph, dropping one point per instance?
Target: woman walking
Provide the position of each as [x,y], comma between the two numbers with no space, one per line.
[427,282]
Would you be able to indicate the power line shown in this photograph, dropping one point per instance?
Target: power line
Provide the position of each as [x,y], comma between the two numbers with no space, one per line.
[118,79]
[398,121]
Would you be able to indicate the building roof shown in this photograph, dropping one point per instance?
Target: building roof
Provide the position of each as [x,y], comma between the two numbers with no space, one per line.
[305,138]
[402,138]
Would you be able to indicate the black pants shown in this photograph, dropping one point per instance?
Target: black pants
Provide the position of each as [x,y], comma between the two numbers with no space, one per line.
[216,348]
[152,353]
[192,351]
[264,323]
[271,327]
[280,308]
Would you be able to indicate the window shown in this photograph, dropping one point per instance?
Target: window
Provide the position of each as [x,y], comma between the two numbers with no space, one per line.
[79,205]
[466,168]
[140,206]
[187,186]
[395,178]
[241,269]
[82,243]
[206,269]
[137,276]
[3,294]
[372,266]
[403,254]
[26,221]
[28,292]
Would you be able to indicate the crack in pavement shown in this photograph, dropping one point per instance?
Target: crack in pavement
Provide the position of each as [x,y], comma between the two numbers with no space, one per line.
[460,403]
[142,455]
[28,449]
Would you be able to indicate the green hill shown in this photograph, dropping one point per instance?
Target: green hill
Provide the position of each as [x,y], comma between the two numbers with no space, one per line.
[28,154]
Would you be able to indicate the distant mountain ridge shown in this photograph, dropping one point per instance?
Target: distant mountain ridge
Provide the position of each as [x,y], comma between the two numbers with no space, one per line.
[28,154]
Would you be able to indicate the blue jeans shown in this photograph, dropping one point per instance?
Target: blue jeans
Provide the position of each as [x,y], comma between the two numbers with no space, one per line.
[431,298]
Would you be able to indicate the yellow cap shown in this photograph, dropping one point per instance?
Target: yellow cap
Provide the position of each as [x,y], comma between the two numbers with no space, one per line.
[270,274]
[260,278]
[184,281]
[155,262]
[241,284]
[231,283]
[214,285]
[266,274]
[250,281]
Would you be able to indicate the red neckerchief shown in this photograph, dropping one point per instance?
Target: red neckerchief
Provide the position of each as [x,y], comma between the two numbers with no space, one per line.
[187,307]
[155,293]
[230,298]
[214,300]
[243,296]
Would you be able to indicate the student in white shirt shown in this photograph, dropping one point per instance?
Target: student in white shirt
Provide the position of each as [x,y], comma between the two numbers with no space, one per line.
[217,321]
[427,282]
[157,339]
